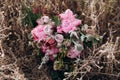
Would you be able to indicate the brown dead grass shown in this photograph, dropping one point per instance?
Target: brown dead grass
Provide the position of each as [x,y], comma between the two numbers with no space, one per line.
[17,60]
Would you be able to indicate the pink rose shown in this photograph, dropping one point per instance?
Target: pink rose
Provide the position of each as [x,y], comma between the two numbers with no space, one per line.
[52,51]
[59,38]
[69,22]
[42,20]
[67,15]
[52,57]
[69,25]
[38,33]
[76,22]
[45,19]
[44,48]
[51,42]
[59,29]
[48,29]
[49,50]
[73,53]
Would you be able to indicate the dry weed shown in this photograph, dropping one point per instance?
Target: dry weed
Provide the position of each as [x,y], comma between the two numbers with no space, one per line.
[17,60]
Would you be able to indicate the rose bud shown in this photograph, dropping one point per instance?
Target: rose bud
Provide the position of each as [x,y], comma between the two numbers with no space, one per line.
[59,38]
[45,19]
[51,42]
[35,10]
[48,29]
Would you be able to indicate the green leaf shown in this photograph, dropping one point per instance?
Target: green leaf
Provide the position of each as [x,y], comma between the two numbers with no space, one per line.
[79,47]
[58,65]
[30,18]
[88,44]
[95,42]
[56,20]
[89,37]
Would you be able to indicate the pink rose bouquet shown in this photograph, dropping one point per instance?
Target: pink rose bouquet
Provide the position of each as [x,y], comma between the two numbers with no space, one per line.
[63,41]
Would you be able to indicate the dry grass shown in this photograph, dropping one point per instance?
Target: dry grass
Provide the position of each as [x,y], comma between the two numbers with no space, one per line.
[17,60]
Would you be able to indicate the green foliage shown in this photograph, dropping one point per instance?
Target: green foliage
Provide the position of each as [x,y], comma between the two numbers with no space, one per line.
[30,18]
[57,20]
[55,74]
[90,40]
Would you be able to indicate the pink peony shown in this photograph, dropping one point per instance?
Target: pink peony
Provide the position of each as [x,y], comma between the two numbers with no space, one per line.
[73,53]
[38,33]
[69,22]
